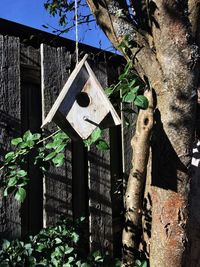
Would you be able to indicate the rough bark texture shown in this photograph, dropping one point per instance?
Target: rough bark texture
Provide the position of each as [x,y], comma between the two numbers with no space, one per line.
[10,114]
[165,53]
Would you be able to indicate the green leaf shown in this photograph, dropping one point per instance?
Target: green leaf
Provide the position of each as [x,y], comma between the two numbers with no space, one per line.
[16,141]
[138,262]
[133,82]
[5,244]
[108,91]
[143,264]
[54,144]
[10,155]
[96,134]
[20,194]
[129,98]
[60,148]
[96,253]
[141,101]
[58,240]
[75,237]
[12,167]
[50,156]
[59,160]
[134,90]
[36,136]
[28,136]
[30,143]
[118,263]
[102,145]
[70,260]
[60,136]
[98,259]
[12,181]
[21,173]
[68,250]
[5,192]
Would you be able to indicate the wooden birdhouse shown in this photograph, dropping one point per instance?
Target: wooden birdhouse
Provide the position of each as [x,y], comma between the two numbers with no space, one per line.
[82,105]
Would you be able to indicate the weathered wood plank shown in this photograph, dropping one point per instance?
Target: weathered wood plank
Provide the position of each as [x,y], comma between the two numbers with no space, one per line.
[32,208]
[116,169]
[100,206]
[10,116]
[30,65]
[55,67]
[80,189]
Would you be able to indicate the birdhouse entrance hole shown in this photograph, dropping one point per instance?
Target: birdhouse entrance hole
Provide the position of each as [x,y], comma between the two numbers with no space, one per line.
[83,99]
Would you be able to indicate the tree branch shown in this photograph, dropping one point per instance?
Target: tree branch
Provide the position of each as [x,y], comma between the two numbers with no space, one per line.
[116,27]
[135,187]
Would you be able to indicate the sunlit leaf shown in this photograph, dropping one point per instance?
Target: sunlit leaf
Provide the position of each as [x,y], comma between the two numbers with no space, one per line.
[12,181]
[50,156]
[141,101]
[102,145]
[28,136]
[20,194]
[21,173]
[16,141]
[59,160]
[129,98]
[96,134]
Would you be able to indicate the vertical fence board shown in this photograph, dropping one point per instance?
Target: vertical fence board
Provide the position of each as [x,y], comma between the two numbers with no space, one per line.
[32,208]
[80,189]
[55,65]
[100,206]
[116,169]
[10,115]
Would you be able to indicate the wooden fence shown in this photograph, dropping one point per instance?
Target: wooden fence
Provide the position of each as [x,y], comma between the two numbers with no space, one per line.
[30,80]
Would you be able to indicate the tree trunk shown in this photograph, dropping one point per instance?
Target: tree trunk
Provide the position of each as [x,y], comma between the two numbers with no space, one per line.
[163,47]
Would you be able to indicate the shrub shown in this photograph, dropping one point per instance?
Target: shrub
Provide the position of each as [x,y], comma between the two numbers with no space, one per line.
[57,246]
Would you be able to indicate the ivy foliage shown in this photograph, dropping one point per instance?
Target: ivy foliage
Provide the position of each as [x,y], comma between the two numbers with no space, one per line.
[96,139]
[14,173]
[57,246]
[130,87]
[15,176]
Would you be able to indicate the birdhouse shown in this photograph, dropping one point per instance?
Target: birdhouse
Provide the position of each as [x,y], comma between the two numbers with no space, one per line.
[82,105]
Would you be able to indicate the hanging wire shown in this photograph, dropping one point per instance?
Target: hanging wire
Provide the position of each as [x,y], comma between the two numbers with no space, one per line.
[76,26]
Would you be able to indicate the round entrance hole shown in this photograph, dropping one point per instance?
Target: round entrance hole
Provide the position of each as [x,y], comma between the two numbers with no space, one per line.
[83,99]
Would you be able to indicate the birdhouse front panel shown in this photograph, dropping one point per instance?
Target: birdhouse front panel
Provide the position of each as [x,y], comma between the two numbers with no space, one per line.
[88,110]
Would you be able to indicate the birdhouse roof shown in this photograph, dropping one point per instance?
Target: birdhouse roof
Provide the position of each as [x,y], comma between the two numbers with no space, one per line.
[82,77]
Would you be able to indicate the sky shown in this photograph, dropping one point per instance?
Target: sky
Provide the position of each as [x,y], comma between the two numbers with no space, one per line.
[32,13]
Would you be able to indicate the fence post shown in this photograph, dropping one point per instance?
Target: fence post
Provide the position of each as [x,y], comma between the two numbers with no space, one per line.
[10,121]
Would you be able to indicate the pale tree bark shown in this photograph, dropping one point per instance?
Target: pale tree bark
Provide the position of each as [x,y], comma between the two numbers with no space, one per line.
[166,52]
[135,187]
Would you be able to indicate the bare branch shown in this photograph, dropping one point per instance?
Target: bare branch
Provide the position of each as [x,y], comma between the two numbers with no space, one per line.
[134,193]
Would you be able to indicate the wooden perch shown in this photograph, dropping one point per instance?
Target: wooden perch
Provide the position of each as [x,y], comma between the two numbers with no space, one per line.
[135,187]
